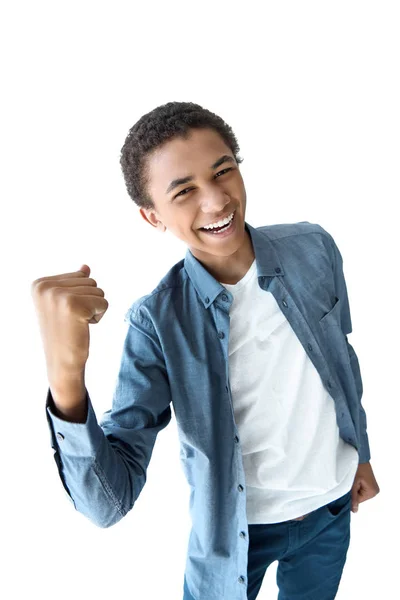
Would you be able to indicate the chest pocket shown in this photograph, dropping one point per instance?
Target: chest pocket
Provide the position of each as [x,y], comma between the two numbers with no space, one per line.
[333,337]
[332,317]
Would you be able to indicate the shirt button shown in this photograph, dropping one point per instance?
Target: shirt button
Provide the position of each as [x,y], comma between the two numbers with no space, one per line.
[284,303]
[207,300]
[224,297]
[242,534]
[309,346]
[329,383]
[236,439]
[59,436]
[240,488]
[241,579]
[277,269]
[221,335]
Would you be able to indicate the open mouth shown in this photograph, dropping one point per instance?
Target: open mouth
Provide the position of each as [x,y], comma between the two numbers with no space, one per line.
[221,231]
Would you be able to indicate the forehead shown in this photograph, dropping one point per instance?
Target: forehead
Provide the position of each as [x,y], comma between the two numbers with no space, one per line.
[180,157]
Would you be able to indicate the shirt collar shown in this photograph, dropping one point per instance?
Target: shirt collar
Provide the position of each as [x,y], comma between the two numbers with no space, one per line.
[208,288]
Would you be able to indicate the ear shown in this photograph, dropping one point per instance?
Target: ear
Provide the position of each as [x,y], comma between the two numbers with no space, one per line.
[151,217]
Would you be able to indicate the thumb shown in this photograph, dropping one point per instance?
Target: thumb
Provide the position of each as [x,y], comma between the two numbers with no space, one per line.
[85,270]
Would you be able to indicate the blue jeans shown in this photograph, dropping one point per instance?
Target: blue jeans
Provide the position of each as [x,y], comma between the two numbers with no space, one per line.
[311,553]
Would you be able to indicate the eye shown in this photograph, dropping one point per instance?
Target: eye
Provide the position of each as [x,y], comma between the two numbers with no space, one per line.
[224,171]
[182,192]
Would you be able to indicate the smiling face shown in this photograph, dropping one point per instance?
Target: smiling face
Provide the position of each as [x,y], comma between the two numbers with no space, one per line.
[195,182]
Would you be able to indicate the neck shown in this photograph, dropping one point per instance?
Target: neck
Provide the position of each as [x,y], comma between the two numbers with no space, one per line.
[228,269]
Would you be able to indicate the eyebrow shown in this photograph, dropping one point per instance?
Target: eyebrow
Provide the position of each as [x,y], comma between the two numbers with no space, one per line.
[182,180]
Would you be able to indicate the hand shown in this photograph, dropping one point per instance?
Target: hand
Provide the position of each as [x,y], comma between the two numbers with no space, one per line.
[364,487]
[65,306]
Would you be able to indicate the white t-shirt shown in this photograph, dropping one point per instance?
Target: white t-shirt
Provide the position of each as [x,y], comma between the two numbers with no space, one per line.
[293,457]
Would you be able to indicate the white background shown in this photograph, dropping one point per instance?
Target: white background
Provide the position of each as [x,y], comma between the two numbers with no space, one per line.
[311,90]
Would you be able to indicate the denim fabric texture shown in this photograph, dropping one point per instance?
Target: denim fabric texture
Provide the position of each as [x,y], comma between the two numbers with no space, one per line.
[311,553]
[175,356]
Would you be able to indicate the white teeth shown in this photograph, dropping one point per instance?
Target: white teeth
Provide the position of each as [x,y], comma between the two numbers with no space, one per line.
[220,223]
[221,230]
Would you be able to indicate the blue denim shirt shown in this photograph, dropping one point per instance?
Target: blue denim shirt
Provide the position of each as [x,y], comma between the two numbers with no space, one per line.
[176,354]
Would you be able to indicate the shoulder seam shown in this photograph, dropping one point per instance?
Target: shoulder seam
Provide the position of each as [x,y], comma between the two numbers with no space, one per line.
[138,316]
[321,231]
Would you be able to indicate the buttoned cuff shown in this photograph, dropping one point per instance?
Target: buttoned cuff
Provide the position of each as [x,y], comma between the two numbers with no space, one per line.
[74,439]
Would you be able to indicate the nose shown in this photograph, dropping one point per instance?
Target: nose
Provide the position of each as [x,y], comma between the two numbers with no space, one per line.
[214,201]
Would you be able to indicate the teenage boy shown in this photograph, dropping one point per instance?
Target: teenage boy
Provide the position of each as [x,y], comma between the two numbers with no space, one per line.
[247,338]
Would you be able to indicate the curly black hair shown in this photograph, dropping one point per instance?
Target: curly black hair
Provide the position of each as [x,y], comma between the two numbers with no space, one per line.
[171,120]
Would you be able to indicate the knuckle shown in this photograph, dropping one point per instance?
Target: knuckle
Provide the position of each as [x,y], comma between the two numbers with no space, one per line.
[54,291]
[40,286]
[38,280]
[69,302]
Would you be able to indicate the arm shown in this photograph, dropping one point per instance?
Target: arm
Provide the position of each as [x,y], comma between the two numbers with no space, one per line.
[341,290]
[103,465]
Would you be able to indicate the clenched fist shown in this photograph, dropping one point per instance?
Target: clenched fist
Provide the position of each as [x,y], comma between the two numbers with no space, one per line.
[65,305]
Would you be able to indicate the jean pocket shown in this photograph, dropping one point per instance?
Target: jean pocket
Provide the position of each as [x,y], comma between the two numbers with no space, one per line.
[339,506]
